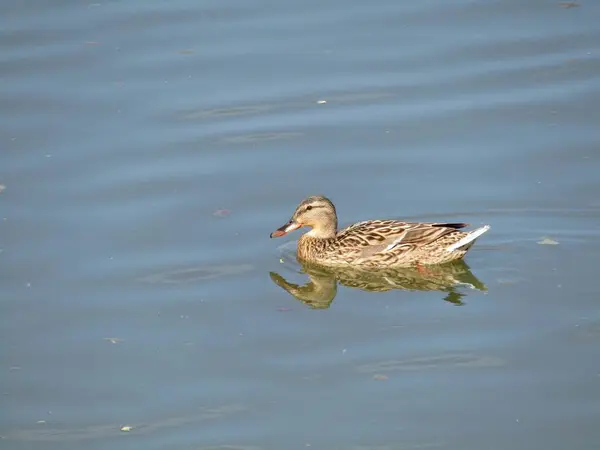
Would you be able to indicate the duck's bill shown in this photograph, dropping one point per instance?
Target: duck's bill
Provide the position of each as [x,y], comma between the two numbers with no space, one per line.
[288,227]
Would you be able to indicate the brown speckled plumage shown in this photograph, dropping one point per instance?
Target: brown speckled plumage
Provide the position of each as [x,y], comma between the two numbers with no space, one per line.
[374,243]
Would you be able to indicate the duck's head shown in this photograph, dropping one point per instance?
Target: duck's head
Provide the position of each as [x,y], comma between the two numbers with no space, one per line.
[316,212]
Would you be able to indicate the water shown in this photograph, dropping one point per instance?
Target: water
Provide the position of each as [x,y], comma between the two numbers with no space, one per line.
[148,150]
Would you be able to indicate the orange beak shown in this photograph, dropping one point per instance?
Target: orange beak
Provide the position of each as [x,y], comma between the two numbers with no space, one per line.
[285,229]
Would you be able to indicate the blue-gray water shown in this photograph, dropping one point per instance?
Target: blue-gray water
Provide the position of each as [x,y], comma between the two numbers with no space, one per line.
[149,148]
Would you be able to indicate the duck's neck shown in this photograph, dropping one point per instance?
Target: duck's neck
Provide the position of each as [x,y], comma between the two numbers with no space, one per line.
[328,231]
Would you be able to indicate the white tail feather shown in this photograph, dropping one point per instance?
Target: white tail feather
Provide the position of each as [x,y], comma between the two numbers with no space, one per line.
[468,238]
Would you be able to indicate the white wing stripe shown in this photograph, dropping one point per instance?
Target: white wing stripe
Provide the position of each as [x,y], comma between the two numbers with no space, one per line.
[395,243]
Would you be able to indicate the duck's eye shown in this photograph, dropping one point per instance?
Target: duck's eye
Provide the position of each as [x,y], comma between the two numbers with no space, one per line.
[309,207]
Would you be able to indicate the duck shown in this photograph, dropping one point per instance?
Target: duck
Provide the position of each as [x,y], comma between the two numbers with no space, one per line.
[374,243]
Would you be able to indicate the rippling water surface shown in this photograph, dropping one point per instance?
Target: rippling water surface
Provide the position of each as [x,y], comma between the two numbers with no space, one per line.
[149,148]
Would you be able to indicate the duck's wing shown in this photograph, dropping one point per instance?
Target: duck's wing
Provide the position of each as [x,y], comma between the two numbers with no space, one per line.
[380,236]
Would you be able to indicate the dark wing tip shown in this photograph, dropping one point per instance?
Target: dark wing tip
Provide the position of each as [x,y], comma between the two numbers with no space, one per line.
[456,226]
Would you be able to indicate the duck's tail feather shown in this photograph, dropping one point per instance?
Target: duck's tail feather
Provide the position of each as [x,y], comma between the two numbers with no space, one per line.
[468,239]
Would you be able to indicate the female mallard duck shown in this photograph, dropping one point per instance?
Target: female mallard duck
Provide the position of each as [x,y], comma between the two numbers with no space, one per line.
[374,243]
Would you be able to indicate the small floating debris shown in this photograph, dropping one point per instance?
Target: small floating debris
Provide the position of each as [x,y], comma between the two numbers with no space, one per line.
[41,421]
[2,188]
[321,102]
[126,428]
[221,212]
[113,340]
[548,241]
[281,261]
[260,137]
[187,51]
[380,377]
[568,4]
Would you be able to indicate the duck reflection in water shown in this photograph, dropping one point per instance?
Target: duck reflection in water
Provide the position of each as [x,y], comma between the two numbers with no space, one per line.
[321,289]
